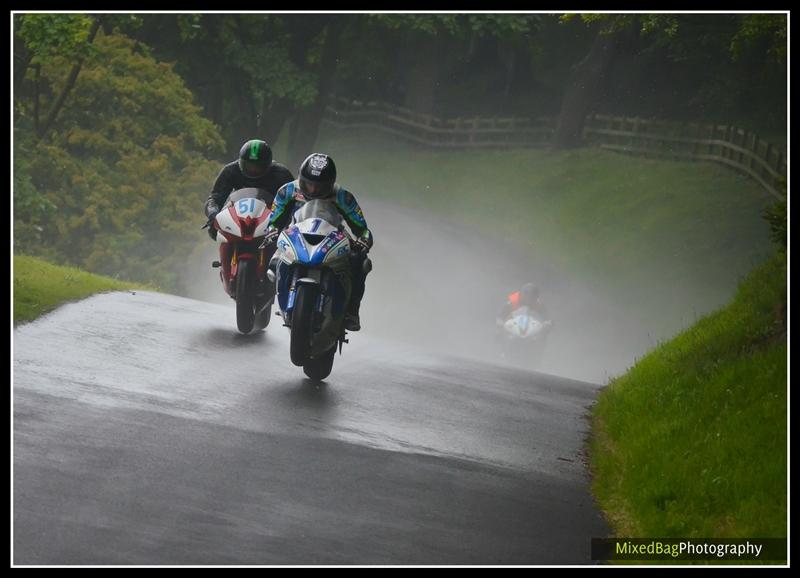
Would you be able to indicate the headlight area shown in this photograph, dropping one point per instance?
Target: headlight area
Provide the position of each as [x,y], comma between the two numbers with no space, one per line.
[286,252]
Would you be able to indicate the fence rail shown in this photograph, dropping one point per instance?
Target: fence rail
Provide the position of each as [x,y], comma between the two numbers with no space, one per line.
[731,146]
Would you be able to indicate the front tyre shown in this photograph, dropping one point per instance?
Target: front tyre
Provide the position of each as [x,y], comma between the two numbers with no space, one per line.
[302,324]
[245,296]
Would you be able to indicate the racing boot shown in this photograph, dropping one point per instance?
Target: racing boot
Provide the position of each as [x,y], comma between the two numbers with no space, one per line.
[352,322]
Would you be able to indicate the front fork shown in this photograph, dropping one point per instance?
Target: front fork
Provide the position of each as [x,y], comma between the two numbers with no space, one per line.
[229,258]
[321,278]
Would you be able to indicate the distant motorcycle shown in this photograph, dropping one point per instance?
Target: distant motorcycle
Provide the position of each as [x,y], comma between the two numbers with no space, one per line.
[313,285]
[241,226]
[523,337]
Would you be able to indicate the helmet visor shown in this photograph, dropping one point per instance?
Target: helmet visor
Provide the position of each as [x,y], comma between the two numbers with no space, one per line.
[253,169]
[315,190]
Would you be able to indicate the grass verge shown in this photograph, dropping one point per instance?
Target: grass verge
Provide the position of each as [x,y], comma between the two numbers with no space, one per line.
[691,442]
[40,287]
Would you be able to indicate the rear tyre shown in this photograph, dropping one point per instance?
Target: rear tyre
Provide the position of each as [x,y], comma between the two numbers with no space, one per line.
[245,296]
[320,368]
[302,320]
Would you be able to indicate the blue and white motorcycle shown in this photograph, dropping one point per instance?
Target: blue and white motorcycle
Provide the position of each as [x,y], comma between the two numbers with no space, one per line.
[523,337]
[313,279]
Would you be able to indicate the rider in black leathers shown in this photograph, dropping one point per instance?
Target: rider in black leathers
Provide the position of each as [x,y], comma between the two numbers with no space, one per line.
[255,168]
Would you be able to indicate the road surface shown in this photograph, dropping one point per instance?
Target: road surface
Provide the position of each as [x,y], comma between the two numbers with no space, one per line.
[148,431]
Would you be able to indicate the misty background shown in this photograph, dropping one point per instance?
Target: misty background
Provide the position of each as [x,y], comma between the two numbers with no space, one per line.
[121,123]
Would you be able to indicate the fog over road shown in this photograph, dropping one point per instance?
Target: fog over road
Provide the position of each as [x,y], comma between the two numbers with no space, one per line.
[437,286]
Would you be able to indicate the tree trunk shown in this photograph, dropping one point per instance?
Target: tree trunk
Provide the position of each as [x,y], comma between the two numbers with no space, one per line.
[304,127]
[216,103]
[423,74]
[275,113]
[273,118]
[37,69]
[244,126]
[22,61]
[507,54]
[70,84]
[583,89]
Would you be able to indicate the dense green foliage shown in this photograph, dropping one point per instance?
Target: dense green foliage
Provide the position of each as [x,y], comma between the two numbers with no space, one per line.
[40,287]
[729,68]
[777,217]
[50,35]
[116,186]
[691,442]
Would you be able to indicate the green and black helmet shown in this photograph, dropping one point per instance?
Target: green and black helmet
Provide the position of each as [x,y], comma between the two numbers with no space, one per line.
[255,159]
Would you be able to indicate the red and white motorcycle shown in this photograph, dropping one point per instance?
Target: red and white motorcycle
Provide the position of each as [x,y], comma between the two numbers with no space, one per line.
[241,226]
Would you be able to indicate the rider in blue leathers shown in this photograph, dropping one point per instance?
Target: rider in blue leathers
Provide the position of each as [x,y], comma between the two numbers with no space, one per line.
[317,180]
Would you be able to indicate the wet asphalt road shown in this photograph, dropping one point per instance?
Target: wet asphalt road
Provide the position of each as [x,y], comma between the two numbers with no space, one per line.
[148,431]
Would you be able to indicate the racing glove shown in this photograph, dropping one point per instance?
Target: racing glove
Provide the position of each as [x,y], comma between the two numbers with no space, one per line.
[364,243]
[209,226]
[270,237]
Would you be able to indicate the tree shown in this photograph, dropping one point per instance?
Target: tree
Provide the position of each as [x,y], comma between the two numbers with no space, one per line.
[723,67]
[122,174]
[255,73]
[305,125]
[45,36]
[248,70]
[439,44]
[588,78]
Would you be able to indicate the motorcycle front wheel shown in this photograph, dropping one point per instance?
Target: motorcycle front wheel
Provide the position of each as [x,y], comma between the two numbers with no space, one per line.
[302,324]
[245,296]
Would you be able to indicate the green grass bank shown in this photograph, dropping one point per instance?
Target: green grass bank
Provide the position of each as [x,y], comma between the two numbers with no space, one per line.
[691,442]
[40,287]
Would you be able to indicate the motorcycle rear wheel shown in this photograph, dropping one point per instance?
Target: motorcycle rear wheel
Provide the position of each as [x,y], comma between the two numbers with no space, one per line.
[320,368]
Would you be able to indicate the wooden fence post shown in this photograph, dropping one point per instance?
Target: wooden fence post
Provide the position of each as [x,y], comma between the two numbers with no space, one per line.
[710,137]
[739,136]
[512,130]
[768,154]
[728,139]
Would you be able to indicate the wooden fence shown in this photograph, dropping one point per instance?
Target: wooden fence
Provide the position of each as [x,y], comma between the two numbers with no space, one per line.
[734,147]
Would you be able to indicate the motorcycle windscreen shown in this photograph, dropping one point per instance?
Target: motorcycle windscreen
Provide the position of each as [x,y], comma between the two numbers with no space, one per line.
[322,209]
[523,325]
[248,193]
